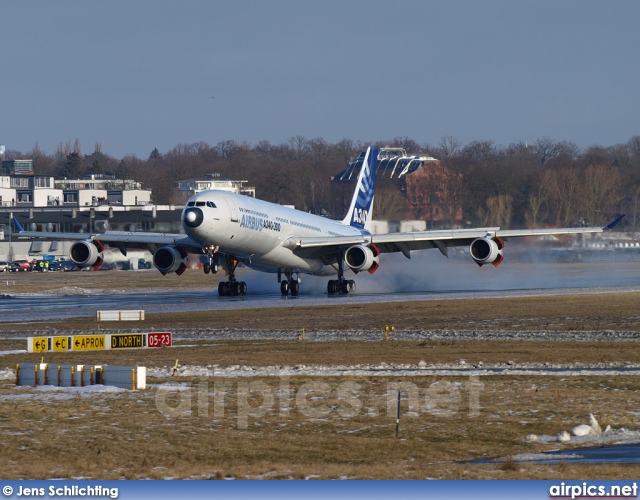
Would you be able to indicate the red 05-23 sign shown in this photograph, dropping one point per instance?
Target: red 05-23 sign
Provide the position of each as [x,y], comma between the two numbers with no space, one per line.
[159,339]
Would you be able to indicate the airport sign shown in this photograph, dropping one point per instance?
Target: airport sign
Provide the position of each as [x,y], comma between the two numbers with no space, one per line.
[127,341]
[60,344]
[38,344]
[89,342]
[99,342]
[159,339]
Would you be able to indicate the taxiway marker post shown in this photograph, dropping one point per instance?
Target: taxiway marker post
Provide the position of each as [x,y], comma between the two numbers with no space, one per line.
[398,416]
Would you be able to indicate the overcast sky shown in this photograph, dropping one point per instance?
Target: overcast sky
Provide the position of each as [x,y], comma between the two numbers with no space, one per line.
[138,75]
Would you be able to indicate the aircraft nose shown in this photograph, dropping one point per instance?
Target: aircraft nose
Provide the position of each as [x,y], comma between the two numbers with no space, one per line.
[193,217]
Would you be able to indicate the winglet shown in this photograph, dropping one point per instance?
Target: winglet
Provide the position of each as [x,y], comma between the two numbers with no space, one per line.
[613,223]
[19,227]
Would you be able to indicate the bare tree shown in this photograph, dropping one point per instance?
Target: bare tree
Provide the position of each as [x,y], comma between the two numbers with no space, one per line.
[539,196]
[448,147]
[600,193]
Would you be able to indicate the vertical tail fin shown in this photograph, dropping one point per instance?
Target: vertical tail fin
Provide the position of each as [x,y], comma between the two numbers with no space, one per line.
[18,226]
[360,211]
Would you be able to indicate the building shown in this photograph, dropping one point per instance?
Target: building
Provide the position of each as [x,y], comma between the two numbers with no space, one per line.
[31,191]
[10,167]
[96,203]
[187,188]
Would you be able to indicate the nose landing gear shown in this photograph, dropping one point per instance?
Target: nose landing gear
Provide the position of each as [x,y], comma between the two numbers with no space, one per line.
[231,287]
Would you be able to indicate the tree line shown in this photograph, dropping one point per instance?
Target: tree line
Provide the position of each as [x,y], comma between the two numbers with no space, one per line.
[545,183]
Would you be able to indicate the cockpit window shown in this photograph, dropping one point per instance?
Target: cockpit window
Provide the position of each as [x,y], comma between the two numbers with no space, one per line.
[211,204]
[191,203]
[200,203]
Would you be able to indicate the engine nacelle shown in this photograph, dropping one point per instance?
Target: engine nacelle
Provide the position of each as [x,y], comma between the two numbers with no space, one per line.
[170,260]
[87,253]
[487,250]
[362,258]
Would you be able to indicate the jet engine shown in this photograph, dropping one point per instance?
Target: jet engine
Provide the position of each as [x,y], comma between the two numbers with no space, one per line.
[362,258]
[169,259]
[487,250]
[87,253]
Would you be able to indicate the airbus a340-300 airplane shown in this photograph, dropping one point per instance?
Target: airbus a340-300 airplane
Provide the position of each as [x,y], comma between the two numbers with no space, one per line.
[230,229]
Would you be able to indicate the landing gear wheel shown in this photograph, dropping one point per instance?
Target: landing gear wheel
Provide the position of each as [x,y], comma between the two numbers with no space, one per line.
[294,286]
[206,268]
[229,288]
[341,287]
[284,287]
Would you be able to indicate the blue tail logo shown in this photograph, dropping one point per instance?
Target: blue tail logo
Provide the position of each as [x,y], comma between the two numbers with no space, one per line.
[360,211]
[19,228]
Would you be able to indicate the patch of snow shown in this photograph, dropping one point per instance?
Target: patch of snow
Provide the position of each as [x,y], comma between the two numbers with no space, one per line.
[50,392]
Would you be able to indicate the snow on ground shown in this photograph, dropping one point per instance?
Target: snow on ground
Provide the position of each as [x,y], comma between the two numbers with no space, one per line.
[50,392]
[388,370]
[16,351]
[7,374]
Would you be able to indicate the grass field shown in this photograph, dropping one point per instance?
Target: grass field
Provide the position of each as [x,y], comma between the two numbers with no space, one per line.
[327,427]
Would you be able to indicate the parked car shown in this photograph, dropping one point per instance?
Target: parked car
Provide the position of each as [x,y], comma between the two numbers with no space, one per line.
[24,265]
[68,265]
[56,265]
[4,266]
[13,267]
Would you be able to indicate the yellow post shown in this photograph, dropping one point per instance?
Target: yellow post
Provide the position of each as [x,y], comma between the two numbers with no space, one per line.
[388,329]
[133,379]
[35,379]
[17,373]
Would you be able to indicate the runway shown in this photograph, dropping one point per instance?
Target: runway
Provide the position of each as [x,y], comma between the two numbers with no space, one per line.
[424,278]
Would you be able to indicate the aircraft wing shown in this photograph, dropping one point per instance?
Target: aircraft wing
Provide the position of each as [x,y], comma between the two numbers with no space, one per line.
[120,239]
[420,240]
[405,242]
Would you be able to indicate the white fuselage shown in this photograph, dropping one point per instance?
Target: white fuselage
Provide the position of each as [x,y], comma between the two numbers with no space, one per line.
[255,230]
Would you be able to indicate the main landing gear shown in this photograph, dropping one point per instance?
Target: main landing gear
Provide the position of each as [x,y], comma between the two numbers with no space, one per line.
[341,285]
[231,287]
[289,285]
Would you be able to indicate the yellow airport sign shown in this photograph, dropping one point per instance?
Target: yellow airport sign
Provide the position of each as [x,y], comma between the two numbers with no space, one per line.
[39,344]
[60,344]
[89,343]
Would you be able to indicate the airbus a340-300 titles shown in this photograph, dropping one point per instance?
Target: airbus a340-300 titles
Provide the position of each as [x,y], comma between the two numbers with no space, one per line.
[230,229]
